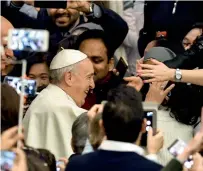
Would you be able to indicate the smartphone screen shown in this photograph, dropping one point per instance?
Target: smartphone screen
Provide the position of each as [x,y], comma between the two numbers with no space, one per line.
[122,67]
[177,148]
[16,83]
[7,160]
[57,164]
[150,116]
[51,4]
[28,40]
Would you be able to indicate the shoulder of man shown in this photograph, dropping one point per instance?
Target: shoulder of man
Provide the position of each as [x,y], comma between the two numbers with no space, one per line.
[82,161]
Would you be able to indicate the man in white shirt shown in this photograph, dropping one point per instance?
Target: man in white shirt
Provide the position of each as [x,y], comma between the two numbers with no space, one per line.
[49,119]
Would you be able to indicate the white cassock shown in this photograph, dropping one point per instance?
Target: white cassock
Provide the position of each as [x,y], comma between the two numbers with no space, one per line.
[49,120]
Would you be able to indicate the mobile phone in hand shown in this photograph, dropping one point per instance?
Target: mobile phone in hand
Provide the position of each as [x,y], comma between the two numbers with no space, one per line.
[122,67]
[176,148]
[51,4]
[7,160]
[151,117]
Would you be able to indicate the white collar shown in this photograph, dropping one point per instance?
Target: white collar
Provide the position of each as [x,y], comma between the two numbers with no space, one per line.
[121,147]
[59,93]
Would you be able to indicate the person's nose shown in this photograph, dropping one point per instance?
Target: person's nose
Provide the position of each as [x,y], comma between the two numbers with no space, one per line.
[9,53]
[92,84]
[38,81]
[61,11]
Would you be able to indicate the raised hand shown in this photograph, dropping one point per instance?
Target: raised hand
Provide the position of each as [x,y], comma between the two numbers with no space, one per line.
[157,92]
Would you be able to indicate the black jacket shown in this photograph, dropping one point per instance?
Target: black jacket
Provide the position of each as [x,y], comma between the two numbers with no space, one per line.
[102,160]
[114,26]
[158,16]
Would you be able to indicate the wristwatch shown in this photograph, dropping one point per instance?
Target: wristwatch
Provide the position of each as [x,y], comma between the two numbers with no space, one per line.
[95,11]
[91,7]
[178,75]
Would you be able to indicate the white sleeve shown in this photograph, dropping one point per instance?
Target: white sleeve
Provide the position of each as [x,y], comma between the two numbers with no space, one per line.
[29,10]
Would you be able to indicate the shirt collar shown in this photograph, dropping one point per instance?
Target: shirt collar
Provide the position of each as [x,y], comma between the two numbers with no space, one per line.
[58,93]
[121,147]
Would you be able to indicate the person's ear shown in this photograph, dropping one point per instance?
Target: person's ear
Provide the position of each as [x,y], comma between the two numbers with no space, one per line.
[111,64]
[101,126]
[68,78]
[72,146]
[144,124]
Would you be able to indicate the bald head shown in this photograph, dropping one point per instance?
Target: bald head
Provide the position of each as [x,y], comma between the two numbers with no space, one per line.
[8,53]
[5,26]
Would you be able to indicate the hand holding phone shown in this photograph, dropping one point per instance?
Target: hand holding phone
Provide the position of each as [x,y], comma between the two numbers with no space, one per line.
[51,4]
[177,148]
[10,137]
[151,121]
[122,67]
[155,141]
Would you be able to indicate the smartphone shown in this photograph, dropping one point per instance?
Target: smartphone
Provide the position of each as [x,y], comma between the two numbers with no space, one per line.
[28,40]
[7,160]
[151,117]
[58,163]
[51,4]
[16,83]
[122,67]
[176,148]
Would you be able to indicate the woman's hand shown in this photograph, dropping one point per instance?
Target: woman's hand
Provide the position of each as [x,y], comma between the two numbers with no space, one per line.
[157,72]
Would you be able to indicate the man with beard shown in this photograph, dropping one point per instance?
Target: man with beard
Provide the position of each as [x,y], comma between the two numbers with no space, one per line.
[60,22]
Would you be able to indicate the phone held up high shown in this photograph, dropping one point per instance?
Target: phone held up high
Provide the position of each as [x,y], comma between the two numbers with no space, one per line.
[176,148]
[28,40]
[122,67]
[16,83]
[51,4]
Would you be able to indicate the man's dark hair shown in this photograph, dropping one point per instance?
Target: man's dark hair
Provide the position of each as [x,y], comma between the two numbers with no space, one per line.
[10,101]
[96,34]
[68,43]
[80,133]
[123,114]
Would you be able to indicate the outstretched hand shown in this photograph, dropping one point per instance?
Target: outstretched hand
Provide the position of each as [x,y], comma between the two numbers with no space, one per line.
[156,72]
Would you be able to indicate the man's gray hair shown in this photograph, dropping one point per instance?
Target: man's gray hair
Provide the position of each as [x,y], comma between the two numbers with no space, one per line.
[80,133]
[56,75]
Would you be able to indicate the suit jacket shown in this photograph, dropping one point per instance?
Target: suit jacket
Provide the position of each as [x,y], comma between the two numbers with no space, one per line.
[49,120]
[103,160]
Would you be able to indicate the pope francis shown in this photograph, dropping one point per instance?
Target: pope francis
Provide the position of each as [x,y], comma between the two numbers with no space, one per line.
[49,119]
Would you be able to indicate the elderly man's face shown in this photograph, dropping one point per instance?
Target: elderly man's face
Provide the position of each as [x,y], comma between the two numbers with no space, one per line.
[8,55]
[82,81]
[64,17]
[191,37]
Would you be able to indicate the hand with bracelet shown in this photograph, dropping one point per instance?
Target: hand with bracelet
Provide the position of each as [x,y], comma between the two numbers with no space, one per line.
[160,72]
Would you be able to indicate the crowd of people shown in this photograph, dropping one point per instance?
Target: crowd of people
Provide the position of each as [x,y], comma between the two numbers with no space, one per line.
[84,115]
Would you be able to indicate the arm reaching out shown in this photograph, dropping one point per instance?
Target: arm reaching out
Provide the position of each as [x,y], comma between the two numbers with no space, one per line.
[160,72]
